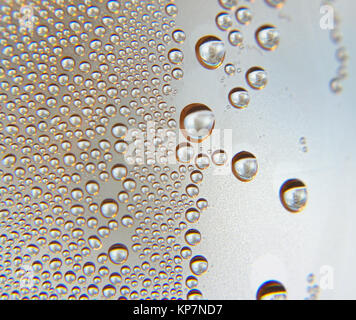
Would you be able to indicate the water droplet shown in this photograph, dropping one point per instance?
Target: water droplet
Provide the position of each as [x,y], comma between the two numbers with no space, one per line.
[239,98]
[336,85]
[198,265]
[184,152]
[210,52]
[219,157]
[271,290]
[109,208]
[197,122]
[244,15]
[175,56]
[230,69]
[228,4]
[294,195]
[244,166]
[118,253]
[235,38]
[257,78]
[223,21]
[192,237]
[119,172]
[268,37]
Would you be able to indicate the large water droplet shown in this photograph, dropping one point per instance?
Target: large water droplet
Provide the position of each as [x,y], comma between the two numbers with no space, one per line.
[210,52]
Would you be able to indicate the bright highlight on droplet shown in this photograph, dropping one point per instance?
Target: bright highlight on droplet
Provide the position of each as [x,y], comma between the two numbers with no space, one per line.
[210,52]
[244,166]
[294,195]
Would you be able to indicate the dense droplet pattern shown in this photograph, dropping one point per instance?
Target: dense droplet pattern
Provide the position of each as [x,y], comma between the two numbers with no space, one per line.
[76,80]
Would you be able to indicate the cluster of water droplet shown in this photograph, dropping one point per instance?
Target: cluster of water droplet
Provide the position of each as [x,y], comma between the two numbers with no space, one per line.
[73,84]
[211,51]
[341,53]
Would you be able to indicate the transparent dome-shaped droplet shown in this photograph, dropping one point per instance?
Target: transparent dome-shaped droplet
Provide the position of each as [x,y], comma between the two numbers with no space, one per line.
[197,122]
[68,63]
[118,253]
[219,157]
[294,195]
[194,295]
[198,265]
[239,98]
[244,166]
[119,172]
[223,21]
[178,36]
[230,69]
[109,208]
[257,78]
[175,56]
[192,237]
[202,161]
[236,38]
[184,152]
[271,290]
[268,37]
[244,15]
[210,52]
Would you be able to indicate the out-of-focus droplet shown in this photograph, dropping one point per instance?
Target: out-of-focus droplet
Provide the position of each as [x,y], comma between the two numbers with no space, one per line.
[244,15]
[228,4]
[276,3]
